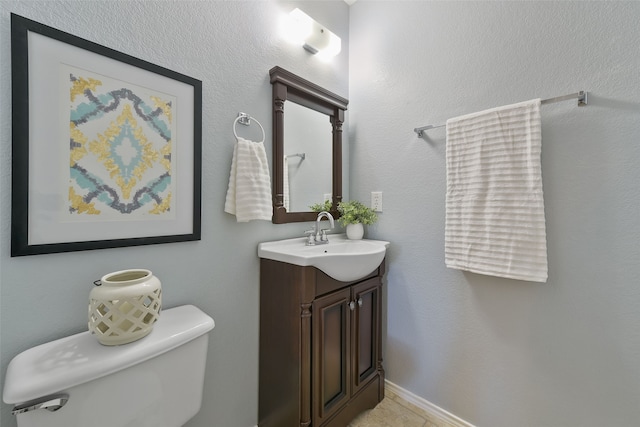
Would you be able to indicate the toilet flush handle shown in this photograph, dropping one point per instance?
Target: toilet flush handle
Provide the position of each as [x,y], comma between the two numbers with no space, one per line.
[50,403]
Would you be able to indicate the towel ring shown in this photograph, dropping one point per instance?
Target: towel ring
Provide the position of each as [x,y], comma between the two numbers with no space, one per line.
[245,119]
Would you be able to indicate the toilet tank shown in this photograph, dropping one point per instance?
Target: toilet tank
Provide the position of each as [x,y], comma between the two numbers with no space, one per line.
[155,381]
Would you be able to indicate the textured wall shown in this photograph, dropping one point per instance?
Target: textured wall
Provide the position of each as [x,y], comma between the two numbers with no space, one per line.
[230,46]
[500,352]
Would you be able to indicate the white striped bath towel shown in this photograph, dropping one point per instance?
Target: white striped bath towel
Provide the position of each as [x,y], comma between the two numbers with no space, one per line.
[495,222]
[285,184]
[249,191]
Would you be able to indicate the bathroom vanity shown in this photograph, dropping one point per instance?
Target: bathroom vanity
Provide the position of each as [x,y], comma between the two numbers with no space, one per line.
[320,345]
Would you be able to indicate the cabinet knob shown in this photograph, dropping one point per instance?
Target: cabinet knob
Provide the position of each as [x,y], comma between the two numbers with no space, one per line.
[352,305]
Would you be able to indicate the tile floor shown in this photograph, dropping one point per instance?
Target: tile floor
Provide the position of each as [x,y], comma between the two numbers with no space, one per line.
[394,411]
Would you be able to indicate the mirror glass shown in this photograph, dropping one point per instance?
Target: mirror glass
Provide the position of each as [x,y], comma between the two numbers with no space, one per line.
[307,147]
[308,158]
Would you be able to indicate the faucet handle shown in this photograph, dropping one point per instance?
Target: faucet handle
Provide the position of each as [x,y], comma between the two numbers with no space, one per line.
[311,237]
[323,235]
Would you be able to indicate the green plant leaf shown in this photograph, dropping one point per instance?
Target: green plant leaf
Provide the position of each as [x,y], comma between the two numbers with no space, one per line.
[354,212]
[320,207]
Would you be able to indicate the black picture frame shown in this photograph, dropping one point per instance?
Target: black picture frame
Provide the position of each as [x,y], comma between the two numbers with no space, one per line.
[40,216]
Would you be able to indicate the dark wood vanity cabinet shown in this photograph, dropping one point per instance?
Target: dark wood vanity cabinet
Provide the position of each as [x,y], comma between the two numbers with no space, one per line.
[320,346]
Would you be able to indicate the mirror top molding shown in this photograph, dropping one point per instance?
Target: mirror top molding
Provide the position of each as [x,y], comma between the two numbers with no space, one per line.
[301,88]
[290,87]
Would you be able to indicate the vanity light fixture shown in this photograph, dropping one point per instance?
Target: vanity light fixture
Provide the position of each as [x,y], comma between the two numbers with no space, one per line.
[301,29]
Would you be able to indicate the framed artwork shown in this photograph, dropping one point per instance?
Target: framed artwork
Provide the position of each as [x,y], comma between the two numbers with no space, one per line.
[106,147]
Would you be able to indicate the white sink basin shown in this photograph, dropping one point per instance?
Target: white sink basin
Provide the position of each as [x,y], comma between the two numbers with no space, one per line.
[341,258]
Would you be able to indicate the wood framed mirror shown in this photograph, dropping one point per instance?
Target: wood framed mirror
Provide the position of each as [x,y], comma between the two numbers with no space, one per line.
[307,147]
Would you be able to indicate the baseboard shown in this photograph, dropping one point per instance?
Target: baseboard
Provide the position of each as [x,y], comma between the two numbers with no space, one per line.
[433,411]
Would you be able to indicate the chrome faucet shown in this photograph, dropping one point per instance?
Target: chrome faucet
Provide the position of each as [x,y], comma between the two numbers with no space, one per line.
[318,236]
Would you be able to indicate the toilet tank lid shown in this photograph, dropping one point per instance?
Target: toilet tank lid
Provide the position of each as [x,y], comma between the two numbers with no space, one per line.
[77,359]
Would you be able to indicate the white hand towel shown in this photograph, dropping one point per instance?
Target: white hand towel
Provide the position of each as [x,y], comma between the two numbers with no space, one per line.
[285,184]
[249,192]
[495,220]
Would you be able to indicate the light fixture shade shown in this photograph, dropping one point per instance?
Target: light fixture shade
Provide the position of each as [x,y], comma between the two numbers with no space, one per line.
[315,38]
[334,48]
[297,26]
[316,41]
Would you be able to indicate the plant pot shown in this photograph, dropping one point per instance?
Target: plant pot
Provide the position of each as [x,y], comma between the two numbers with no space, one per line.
[355,231]
[124,305]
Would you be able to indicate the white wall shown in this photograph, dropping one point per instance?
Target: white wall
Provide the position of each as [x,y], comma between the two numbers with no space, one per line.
[230,46]
[500,352]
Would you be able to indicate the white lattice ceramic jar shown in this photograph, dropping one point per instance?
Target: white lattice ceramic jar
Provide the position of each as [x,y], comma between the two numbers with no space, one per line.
[124,306]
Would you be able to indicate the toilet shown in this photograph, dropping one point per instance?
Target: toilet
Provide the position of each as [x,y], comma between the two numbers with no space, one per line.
[78,382]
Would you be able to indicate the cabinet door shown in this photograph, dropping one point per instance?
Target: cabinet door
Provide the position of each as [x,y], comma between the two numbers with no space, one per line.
[366,331]
[331,325]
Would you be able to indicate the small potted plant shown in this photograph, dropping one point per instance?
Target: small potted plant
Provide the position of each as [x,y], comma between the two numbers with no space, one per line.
[354,215]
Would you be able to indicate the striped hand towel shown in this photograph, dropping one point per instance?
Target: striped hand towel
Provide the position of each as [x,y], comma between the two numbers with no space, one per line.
[495,221]
[249,192]
[285,184]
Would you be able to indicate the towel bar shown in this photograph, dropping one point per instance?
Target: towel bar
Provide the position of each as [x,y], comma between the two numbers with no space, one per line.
[581,96]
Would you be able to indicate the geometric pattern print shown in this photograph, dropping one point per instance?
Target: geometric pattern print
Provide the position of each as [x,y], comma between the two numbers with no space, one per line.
[120,151]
